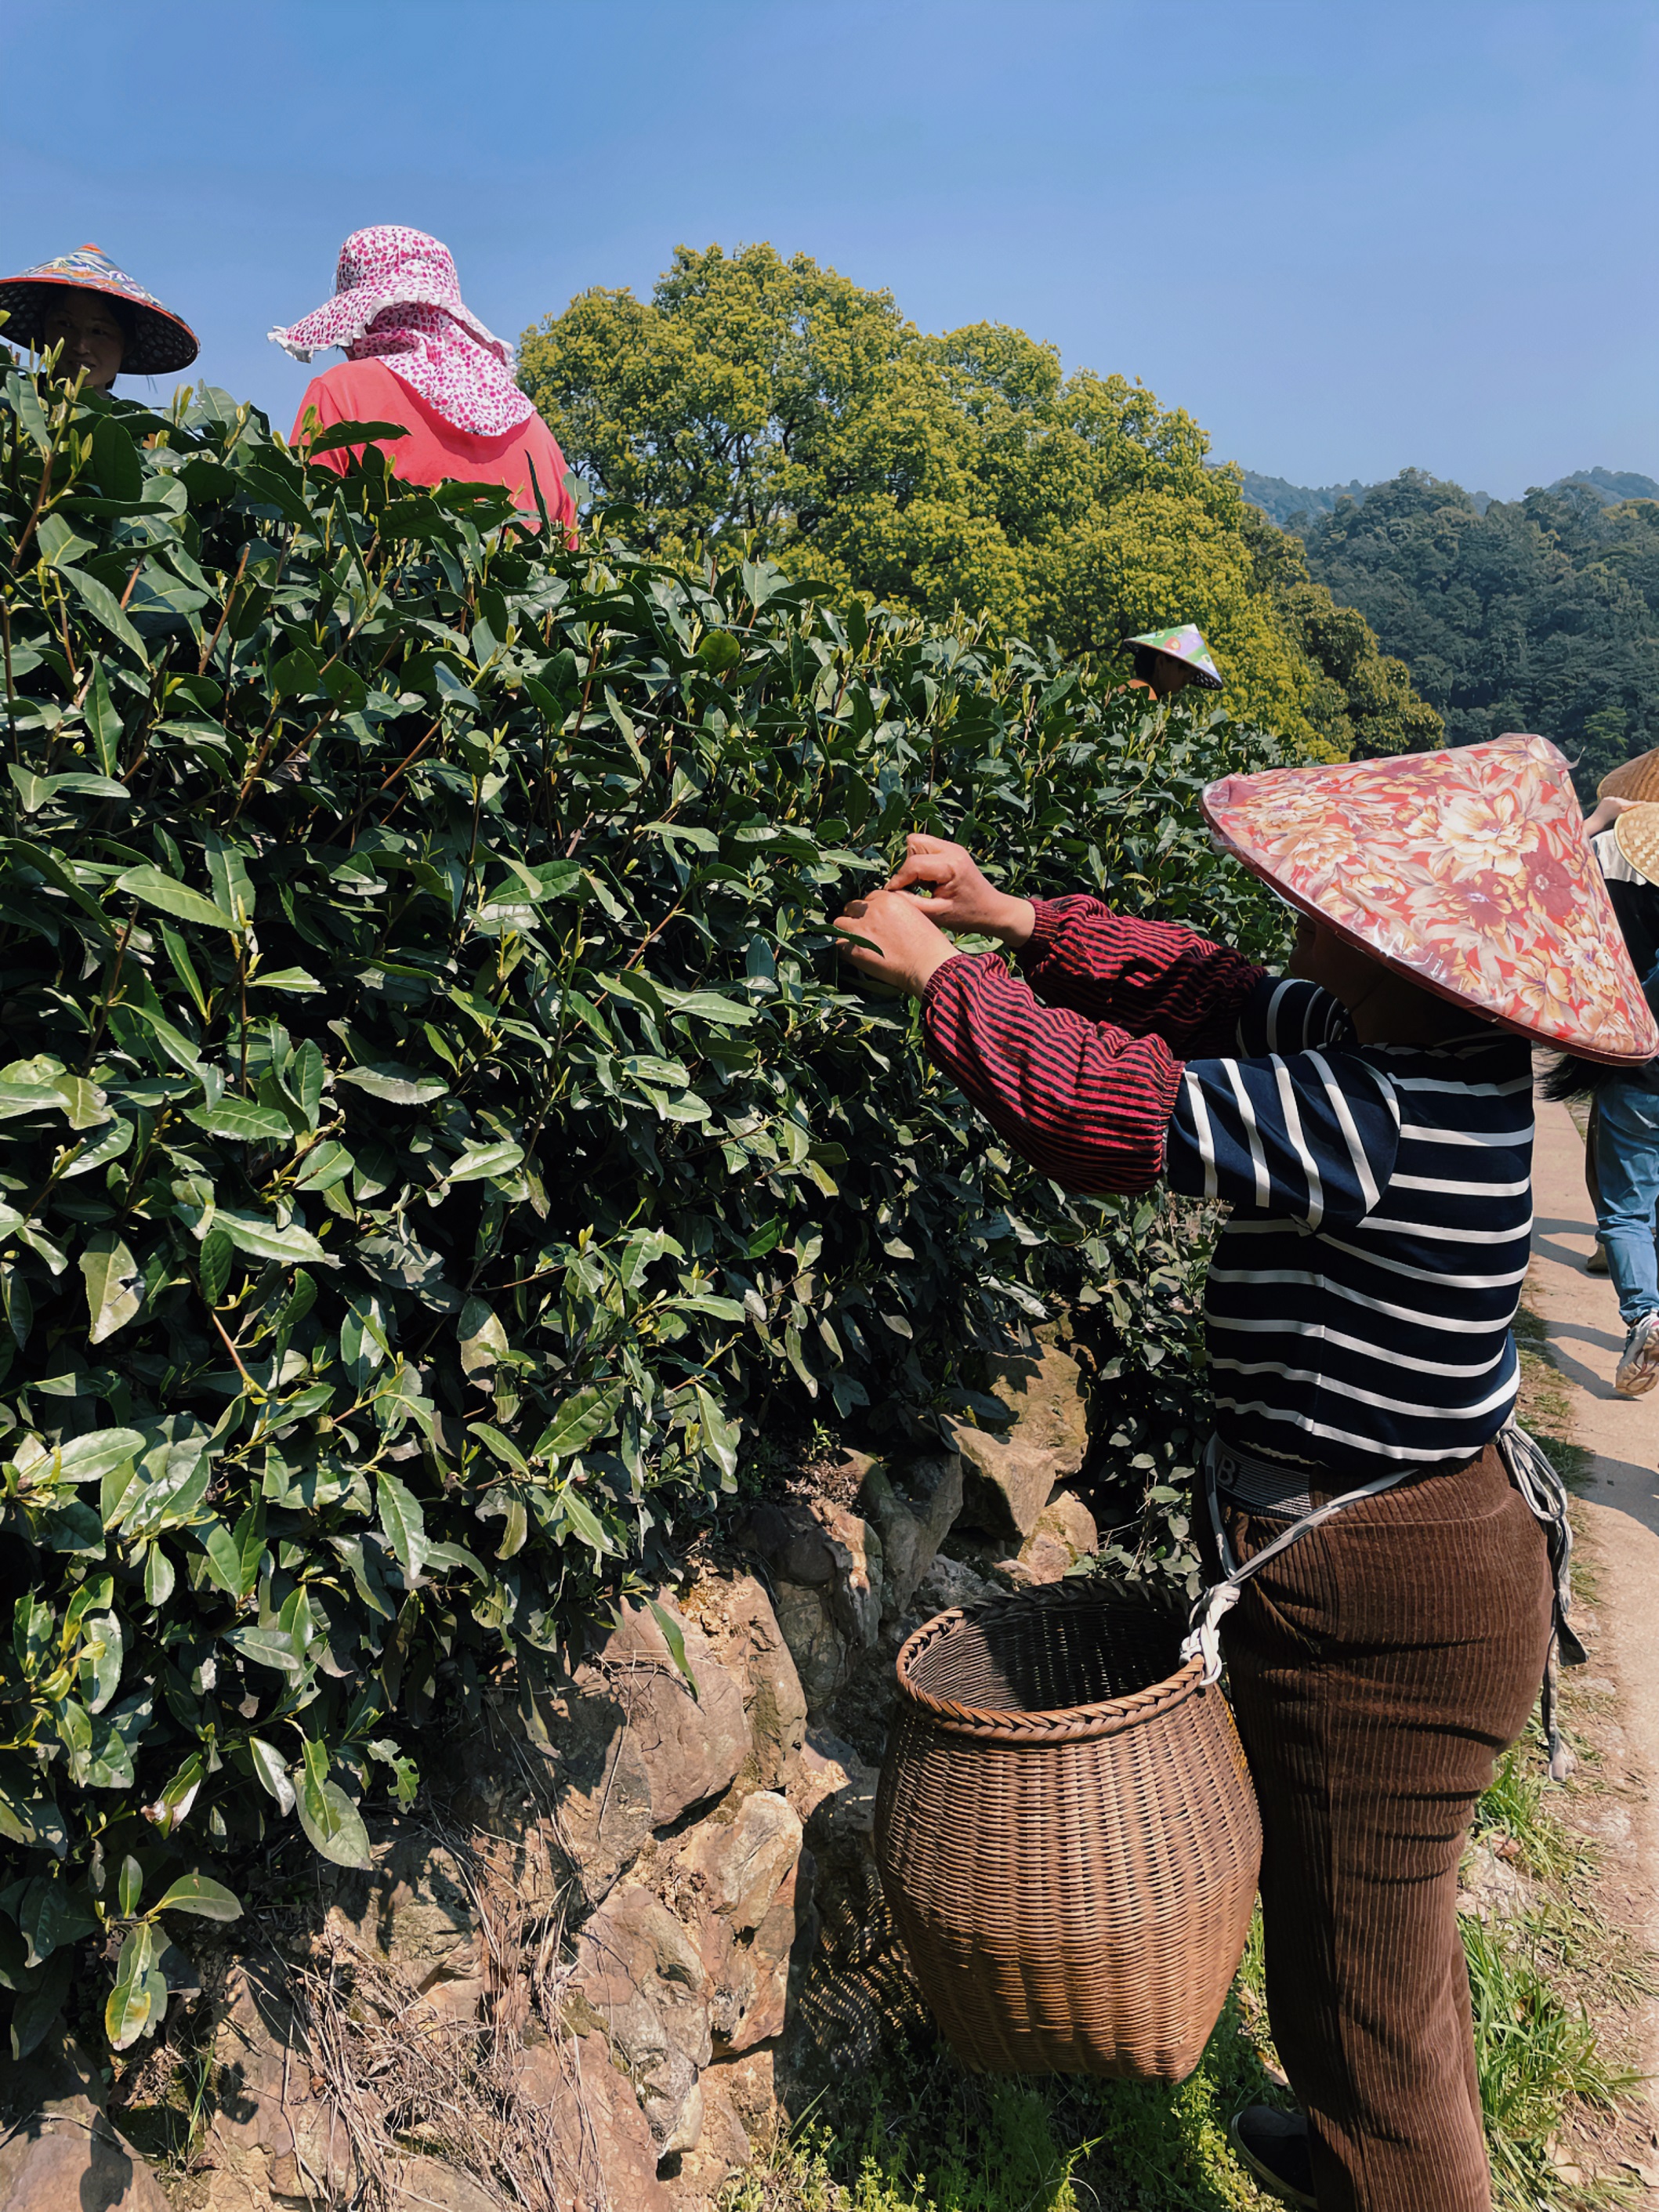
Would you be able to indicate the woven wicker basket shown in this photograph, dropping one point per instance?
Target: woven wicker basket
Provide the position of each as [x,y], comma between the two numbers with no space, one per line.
[1066,1834]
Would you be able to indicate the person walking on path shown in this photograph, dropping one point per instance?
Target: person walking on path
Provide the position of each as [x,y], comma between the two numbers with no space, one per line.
[103,321]
[1622,1140]
[416,356]
[1368,1122]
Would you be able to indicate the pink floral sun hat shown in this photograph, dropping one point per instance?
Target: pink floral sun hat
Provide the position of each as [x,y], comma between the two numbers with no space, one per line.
[396,297]
[1468,870]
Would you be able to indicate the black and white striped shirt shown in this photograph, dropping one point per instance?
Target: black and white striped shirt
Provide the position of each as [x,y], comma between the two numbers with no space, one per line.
[1360,1297]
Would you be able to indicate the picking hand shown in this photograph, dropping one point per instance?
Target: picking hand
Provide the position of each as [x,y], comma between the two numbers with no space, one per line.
[910,946]
[962,898]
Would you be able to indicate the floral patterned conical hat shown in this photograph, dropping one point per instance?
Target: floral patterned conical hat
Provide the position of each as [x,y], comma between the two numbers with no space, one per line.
[1186,642]
[1468,870]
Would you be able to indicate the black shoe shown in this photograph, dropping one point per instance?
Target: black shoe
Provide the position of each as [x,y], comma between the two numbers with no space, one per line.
[1274,2146]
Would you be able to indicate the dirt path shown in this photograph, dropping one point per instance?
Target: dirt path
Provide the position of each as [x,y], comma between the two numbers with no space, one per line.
[1622,1535]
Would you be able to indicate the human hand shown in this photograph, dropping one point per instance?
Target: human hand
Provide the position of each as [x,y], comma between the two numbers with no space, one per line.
[962,898]
[909,944]
[1607,811]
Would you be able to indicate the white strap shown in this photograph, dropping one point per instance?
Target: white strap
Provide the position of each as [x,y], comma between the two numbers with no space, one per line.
[1212,1608]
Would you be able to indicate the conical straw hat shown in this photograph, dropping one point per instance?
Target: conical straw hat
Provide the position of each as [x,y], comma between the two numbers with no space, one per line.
[1468,870]
[1185,643]
[1632,779]
[162,343]
[1637,835]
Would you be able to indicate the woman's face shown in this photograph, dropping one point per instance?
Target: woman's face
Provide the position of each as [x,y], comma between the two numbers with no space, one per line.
[87,326]
[1170,675]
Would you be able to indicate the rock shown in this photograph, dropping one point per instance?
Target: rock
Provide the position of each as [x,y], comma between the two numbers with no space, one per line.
[749,1893]
[826,1564]
[1008,1481]
[722,2150]
[270,2134]
[605,2156]
[566,1790]
[949,1585]
[822,1654]
[60,2152]
[413,1909]
[641,1983]
[1489,1885]
[612,1750]
[914,1505]
[692,1746]
[739,1866]
[753,2085]
[838,1801]
[420,2182]
[736,1616]
[1043,1558]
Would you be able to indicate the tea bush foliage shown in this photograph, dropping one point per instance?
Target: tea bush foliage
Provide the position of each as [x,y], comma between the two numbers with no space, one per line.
[435,1132]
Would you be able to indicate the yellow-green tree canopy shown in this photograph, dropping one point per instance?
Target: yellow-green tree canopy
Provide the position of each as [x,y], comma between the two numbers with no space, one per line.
[776,400]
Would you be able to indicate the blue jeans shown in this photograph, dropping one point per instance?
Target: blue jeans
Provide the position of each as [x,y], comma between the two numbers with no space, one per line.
[1627,1168]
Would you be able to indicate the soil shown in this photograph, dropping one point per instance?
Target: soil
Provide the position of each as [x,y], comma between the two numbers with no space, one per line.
[1612,1705]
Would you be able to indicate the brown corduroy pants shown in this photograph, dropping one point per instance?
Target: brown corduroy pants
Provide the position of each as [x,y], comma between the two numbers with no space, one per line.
[1377,1670]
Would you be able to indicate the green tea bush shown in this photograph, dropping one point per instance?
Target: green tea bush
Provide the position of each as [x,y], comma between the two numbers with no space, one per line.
[435,1130]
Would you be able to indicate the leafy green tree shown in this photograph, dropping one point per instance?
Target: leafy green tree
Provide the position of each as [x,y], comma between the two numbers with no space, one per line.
[1538,614]
[777,403]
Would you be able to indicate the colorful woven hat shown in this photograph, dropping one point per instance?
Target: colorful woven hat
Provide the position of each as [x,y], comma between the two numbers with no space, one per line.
[1184,643]
[162,341]
[1636,833]
[1632,779]
[1468,870]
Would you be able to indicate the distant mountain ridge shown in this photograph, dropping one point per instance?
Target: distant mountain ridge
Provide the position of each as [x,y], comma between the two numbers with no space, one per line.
[1280,500]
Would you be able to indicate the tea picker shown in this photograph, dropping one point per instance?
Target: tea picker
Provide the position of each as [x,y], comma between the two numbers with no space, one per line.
[1388,1552]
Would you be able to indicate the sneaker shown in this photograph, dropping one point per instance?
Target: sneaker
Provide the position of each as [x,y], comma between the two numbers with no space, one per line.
[1274,2146]
[1638,1363]
[1597,1262]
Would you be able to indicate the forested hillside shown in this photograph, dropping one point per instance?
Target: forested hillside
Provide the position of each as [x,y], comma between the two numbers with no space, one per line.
[1540,614]
[776,403]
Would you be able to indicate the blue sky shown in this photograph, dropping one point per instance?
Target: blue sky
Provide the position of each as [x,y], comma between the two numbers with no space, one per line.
[1346,236]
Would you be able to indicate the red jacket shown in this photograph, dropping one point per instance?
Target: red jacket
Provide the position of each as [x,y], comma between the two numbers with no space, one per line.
[435,451]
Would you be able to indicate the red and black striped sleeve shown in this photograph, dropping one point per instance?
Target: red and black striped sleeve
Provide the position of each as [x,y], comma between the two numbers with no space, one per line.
[1083,1101]
[1149,978]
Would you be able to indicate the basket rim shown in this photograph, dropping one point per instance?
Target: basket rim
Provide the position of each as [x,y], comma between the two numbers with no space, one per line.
[1053,1724]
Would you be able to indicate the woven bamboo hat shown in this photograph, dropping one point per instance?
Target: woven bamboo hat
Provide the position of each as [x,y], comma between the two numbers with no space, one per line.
[1467,870]
[162,341]
[1636,835]
[1186,643]
[1632,779]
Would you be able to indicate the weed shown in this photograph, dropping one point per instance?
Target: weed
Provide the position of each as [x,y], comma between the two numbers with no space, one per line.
[1514,1809]
[1535,2057]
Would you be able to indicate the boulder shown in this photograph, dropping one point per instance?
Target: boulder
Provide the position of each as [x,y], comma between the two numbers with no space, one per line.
[59,2151]
[1009,1479]
[914,1505]
[826,1564]
[639,1981]
[603,2155]
[747,1892]
[738,1618]
[272,2134]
